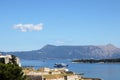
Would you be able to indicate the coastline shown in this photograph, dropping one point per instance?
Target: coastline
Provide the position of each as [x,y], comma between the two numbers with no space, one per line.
[116,60]
[54,74]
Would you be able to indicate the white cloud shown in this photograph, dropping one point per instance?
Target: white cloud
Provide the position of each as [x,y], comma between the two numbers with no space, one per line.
[63,42]
[28,27]
[59,42]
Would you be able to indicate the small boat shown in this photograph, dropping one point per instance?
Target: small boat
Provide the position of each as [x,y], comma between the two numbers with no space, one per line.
[60,65]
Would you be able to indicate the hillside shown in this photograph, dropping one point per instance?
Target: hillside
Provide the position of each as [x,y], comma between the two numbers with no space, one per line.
[70,52]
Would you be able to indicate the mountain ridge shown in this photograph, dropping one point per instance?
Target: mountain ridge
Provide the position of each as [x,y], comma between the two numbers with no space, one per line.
[70,52]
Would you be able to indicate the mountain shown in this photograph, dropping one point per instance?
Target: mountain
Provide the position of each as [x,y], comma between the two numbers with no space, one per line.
[70,52]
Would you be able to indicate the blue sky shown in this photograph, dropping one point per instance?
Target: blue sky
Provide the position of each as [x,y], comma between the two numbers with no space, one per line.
[31,24]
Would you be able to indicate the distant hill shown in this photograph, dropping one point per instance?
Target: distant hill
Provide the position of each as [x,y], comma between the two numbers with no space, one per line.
[70,52]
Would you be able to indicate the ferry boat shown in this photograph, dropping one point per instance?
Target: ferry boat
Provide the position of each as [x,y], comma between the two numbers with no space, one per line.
[60,65]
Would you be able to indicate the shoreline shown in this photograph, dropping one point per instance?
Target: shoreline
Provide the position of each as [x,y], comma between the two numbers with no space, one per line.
[117,60]
[46,73]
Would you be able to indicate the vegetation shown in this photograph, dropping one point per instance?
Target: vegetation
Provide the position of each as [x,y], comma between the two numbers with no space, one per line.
[98,61]
[13,60]
[2,60]
[11,72]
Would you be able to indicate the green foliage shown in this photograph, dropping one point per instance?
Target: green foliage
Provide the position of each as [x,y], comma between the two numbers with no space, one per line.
[2,60]
[13,60]
[117,60]
[11,72]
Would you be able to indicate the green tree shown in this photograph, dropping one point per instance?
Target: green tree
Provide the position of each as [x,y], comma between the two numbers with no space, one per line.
[2,60]
[11,72]
[13,60]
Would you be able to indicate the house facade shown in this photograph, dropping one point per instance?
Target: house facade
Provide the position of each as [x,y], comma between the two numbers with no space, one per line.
[7,59]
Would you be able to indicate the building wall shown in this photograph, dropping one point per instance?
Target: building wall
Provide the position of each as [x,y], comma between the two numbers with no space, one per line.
[72,77]
[8,57]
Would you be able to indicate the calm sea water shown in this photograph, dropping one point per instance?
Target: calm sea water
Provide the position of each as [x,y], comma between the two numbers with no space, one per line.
[97,70]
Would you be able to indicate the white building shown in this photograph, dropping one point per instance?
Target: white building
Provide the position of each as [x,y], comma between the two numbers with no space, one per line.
[7,59]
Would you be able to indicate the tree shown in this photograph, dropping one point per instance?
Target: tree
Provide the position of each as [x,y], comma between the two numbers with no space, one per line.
[11,72]
[13,60]
[2,60]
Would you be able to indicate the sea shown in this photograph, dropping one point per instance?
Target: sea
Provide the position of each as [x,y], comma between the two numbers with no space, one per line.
[104,71]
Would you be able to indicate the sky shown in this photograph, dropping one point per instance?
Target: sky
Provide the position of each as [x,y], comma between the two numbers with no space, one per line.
[31,24]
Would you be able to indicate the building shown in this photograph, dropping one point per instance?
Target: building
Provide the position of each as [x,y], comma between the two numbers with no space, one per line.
[52,74]
[7,59]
